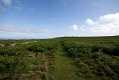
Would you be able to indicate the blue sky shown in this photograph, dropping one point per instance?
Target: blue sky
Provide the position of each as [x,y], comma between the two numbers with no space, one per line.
[56,18]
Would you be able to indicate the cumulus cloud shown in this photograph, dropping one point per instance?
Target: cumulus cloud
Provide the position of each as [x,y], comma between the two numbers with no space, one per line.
[89,21]
[75,27]
[106,25]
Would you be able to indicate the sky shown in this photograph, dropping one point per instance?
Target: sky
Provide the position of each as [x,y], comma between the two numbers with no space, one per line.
[26,19]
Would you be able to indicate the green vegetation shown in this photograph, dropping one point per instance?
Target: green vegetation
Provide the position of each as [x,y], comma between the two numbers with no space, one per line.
[67,58]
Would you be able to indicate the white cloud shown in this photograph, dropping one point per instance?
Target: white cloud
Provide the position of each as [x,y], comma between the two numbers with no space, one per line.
[17,29]
[106,25]
[89,21]
[75,27]
[17,32]
[7,2]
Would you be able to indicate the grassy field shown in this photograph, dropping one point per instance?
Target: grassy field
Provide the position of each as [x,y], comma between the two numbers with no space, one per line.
[66,58]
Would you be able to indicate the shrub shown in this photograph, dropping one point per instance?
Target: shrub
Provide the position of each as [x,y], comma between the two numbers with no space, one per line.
[75,50]
[7,52]
[114,50]
[36,48]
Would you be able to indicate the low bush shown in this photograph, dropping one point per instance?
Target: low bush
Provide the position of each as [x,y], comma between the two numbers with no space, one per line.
[7,52]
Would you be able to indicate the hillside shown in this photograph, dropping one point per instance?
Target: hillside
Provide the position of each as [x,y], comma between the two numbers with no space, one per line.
[65,58]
